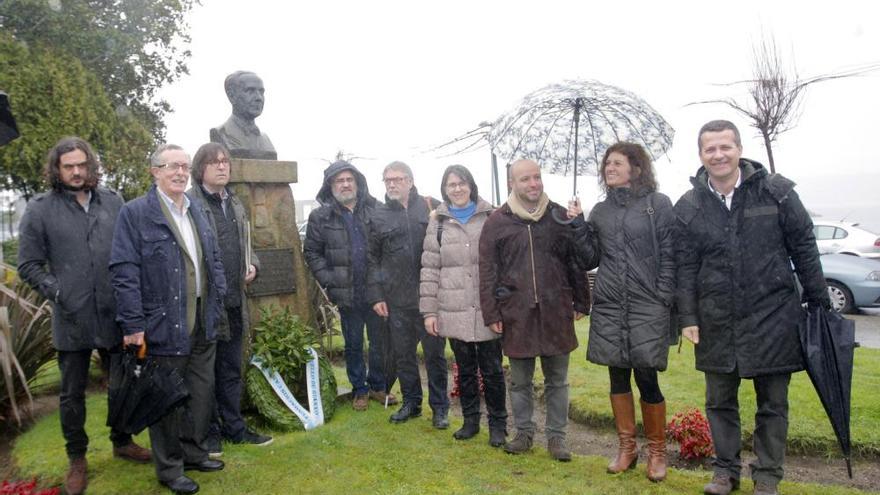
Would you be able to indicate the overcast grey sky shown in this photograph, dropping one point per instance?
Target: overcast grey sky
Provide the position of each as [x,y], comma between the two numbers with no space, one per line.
[387,80]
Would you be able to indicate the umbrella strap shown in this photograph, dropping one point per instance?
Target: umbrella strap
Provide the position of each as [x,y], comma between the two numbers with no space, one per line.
[314,416]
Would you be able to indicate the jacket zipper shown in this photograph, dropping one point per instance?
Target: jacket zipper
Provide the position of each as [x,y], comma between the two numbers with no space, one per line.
[532,256]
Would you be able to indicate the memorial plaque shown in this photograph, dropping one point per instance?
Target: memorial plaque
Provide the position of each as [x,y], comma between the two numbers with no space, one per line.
[276,275]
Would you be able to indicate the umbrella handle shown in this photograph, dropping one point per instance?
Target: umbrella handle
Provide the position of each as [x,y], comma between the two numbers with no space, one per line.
[558,219]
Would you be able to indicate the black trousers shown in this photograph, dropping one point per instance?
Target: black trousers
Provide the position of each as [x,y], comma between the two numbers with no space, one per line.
[485,357]
[74,367]
[646,380]
[407,330]
[179,436]
[227,421]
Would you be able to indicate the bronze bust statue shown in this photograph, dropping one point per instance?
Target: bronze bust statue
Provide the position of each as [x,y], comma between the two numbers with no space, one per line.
[239,133]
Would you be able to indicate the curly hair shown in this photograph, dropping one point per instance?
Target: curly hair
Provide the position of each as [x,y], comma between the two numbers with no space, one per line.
[642,174]
[52,172]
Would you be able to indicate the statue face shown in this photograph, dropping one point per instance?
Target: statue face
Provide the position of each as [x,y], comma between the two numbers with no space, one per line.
[248,97]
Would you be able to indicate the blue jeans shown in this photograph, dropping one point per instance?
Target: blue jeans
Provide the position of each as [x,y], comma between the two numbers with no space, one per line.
[353,321]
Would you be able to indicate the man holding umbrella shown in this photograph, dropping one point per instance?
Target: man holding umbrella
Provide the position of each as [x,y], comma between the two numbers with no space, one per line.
[741,229]
[336,252]
[169,282]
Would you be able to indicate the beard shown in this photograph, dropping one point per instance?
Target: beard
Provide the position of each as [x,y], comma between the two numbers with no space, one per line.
[345,198]
[83,187]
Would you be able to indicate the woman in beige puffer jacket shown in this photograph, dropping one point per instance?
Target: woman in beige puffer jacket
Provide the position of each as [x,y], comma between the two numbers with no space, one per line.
[450,301]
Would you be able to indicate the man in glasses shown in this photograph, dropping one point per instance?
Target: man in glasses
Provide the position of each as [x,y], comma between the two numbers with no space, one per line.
[169,283]
[63,253]
[336,252]
[395,262]
[211,171]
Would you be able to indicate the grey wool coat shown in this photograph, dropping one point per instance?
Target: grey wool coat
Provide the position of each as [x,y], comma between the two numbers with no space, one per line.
[450,278]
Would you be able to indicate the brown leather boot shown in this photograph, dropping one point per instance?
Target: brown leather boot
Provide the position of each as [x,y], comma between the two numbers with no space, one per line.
[625,420]
[654,419]
[77,478]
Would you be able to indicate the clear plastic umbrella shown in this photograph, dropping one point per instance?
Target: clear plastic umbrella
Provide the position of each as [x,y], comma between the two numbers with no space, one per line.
[567,127]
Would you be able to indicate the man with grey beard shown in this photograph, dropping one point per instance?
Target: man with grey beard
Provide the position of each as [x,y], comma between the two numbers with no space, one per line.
[336,251]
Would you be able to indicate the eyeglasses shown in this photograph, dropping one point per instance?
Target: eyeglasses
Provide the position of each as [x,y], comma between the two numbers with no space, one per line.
[452,186]
[394,180]
[217,163]
[344,180]
[175,166]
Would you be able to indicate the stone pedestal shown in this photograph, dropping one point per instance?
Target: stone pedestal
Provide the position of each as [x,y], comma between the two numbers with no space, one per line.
[283,279]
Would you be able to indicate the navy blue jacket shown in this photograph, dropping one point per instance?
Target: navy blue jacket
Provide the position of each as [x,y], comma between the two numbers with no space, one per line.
[149,276]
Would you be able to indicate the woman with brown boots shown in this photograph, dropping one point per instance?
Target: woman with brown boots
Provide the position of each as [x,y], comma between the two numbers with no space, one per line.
[630,237]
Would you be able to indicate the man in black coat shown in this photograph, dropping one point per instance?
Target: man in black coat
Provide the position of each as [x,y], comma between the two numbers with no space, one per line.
[336,252]
[741,230]
[63,253]
[395,262]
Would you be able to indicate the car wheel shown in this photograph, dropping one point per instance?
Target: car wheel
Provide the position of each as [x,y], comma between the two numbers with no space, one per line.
[841,297]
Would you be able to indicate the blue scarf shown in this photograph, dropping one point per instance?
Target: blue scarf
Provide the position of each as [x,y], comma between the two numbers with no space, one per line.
[464,213]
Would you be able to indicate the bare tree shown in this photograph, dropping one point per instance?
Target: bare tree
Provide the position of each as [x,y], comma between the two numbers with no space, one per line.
[776,93]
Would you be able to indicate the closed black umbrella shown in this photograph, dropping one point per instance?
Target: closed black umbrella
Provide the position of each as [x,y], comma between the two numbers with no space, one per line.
[389,365]
[146,393]
[8,128]
[827,342]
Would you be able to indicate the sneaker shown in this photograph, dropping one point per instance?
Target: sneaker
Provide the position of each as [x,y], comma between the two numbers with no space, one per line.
[380,396]
[721,484]
[250,437]
[133,452]
[214,447]
[521,443]
[360,402]
[558,450]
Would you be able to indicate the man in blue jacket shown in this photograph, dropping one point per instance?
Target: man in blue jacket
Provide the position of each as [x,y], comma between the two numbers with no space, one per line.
[169,284]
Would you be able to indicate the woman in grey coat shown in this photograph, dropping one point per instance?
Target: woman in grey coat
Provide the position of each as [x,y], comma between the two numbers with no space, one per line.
[629,236]
[450,301]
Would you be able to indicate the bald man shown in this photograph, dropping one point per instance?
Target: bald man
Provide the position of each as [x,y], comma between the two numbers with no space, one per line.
[531,291]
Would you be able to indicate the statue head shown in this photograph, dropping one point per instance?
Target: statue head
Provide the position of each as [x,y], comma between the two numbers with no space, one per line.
[246,93]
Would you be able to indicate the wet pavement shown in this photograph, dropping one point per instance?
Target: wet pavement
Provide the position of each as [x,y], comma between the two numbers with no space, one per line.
[867,327]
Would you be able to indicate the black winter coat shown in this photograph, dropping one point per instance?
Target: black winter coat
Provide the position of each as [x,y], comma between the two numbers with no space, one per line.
[735,278]
[635,283]
[396,240]
[327,248]
[64,254]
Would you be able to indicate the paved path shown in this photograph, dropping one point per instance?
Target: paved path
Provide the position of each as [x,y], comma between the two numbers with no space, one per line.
[867,327]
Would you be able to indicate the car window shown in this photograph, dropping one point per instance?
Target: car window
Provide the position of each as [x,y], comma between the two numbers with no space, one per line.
[824,232]
[840,233]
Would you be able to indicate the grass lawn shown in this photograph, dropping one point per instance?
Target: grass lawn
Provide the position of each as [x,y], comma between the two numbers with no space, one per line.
[359,453]
[684,388]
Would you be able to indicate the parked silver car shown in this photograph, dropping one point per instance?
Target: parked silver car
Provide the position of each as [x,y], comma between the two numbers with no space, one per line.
[845,238]
[853,282]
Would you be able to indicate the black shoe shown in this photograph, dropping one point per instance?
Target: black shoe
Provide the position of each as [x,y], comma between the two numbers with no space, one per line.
[182,484]
[251,437]
[440,419]
[405,412]
[205,466]
[497,437]
[469,430]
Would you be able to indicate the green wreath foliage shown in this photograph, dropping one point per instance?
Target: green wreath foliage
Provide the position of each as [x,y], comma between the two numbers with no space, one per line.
[282,341]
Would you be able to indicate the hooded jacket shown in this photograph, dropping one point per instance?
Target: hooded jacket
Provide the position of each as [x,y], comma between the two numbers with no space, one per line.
[63,253]
[327,248]
[450,279]
[396,242]
[635,283]
[531,282]
[735,276]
